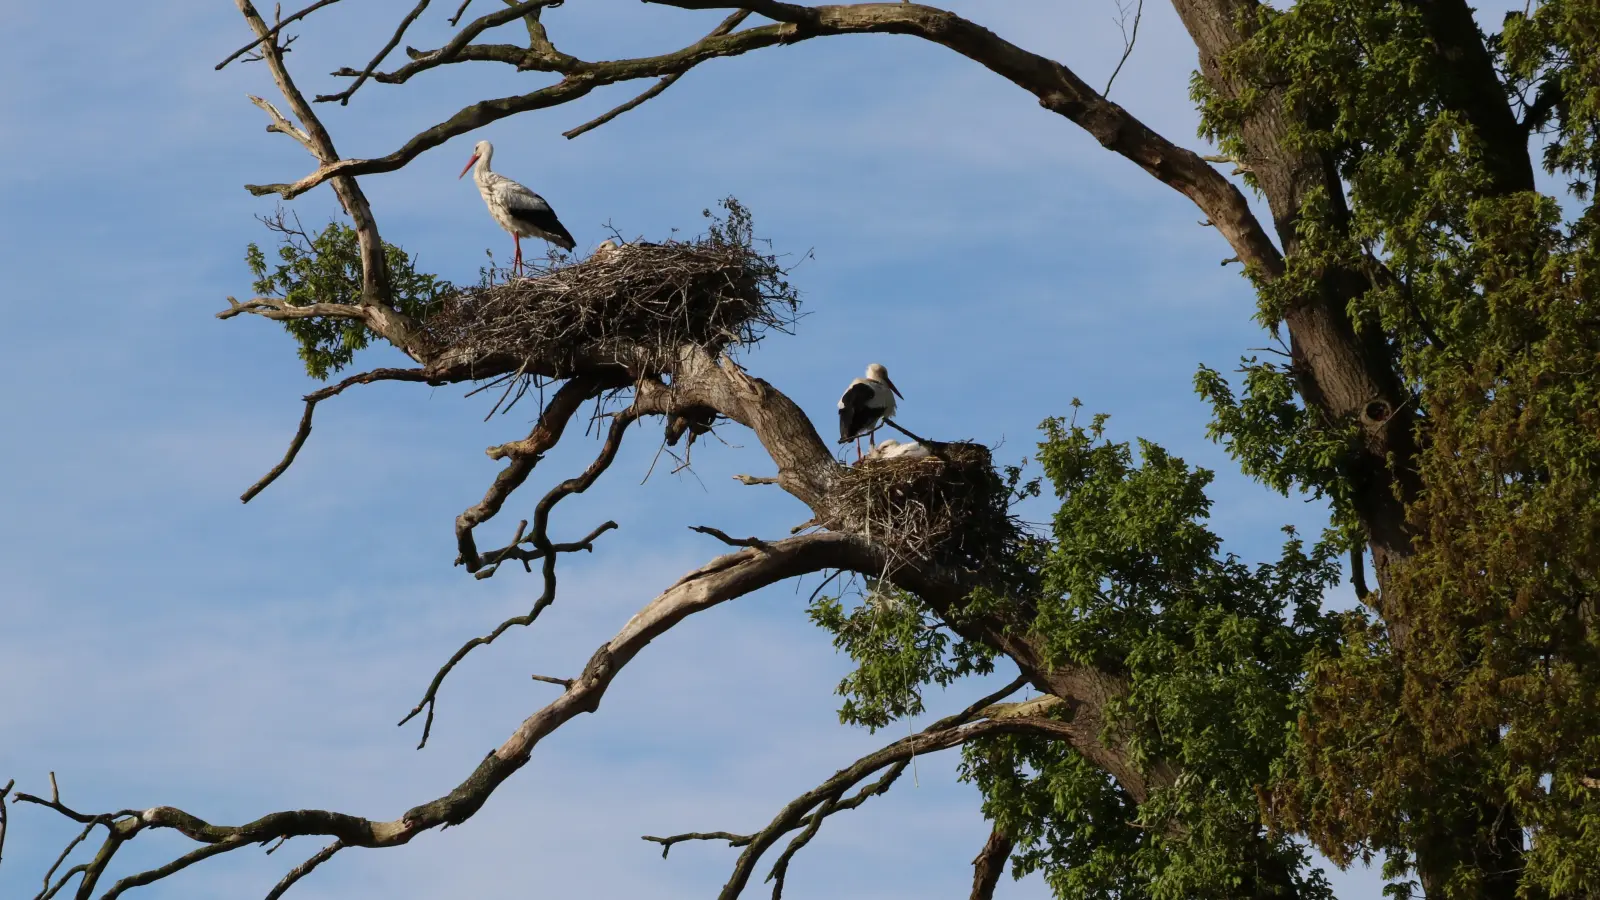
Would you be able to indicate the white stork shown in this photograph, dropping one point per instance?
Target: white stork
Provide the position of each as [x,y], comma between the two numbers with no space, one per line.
[865,404]
[893,449]
[516,209]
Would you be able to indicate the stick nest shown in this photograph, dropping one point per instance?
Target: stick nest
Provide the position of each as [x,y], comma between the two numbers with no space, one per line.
[636,306]
[951,508]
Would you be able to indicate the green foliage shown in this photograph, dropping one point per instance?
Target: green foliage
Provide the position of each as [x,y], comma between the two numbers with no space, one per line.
[1486,297]
[326,268]
[1212,652]
[899,648]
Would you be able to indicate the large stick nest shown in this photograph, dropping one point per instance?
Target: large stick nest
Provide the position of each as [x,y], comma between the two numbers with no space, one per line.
[636,306]
[952,507]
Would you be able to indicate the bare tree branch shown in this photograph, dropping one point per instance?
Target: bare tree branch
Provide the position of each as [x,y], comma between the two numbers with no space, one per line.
[312,399]
[344,96]
[1057,87]
[304,869]
[723,579]
[727,27]
[1129,36]
[4,792]
[810,809]
[376,296]
[990,864]
[273,31]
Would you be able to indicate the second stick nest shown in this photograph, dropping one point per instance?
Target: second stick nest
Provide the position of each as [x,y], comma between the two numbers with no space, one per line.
[952,507]
[636,306]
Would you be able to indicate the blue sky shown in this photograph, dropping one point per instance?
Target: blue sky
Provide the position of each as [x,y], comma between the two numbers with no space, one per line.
[166,645]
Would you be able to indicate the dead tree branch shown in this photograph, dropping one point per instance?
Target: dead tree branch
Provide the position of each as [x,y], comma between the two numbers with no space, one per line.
[304,869]
[727,27]
[1129,36]
[344,96]
[810,809]
[723,579]
[312,399]
[4,792]
[1058,89]
[524,455]
[273,31]
[990,864]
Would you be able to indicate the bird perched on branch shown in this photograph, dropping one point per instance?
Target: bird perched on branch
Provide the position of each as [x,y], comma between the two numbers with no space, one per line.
[517,209]
[865,404]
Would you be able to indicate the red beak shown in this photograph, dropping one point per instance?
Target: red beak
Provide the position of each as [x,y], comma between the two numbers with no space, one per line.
[893,388]
[468,168]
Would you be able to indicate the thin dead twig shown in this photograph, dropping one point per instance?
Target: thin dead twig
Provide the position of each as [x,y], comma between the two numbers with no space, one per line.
[273,32]
[1128,39]
[727,27]
[547,553]
[304,430]
[304,869]
[344,96]
[726,539]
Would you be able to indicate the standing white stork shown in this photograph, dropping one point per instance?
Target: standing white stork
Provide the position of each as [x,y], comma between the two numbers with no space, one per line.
[517,209]
[865,404]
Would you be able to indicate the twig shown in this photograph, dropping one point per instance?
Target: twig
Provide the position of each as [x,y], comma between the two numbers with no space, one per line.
[726,539]
[750,479]
[494,557]
[304,869]
[1127,40]
[274,31]
[547,553]
[4,792]
[183,862]
[727,26]
[344,96]
[811,808]
[564,682]
[312,399]
[460,11]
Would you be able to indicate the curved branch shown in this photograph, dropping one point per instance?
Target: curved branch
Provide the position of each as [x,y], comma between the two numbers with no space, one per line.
[304,869]
[524,454]
[725,578]
[546,551]
[1057,87]
[376,293]
[304,431]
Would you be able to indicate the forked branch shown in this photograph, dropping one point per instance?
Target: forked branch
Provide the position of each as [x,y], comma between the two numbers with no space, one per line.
[808,811]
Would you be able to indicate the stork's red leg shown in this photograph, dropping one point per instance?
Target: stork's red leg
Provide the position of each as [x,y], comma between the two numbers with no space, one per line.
[858,448]
[516,262]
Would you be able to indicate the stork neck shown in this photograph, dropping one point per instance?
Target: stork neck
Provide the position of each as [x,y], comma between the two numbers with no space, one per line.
[481,169]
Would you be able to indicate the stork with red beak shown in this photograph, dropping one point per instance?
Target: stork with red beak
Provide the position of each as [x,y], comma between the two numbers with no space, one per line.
[865,404]
[516,209]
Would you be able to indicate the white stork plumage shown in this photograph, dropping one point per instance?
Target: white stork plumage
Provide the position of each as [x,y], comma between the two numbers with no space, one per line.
[893,449]
[865,404]
[516,209]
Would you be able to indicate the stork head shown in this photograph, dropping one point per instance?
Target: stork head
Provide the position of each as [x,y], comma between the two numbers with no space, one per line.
[483,150]
[876,372]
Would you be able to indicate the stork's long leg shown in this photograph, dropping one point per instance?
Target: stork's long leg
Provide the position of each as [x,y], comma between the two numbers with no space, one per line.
[858,448]
[516,262]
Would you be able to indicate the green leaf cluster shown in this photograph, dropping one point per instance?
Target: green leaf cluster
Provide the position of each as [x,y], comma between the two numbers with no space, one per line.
[326,268]
[1485,296]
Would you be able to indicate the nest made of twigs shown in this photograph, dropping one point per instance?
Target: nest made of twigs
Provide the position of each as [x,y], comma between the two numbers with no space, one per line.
[951,507]
[637,306]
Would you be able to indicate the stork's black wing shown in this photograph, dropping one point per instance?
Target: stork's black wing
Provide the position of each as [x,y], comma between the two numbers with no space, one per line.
[543,219]
[855,415]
